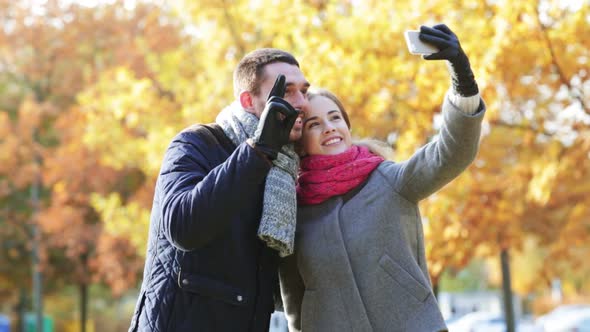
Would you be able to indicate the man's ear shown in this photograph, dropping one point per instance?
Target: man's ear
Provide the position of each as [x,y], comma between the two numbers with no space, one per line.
[247,101]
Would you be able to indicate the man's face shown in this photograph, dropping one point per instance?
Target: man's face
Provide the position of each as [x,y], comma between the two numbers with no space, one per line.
[295,91]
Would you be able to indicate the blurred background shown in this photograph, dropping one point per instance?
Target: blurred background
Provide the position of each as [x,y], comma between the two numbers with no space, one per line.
[92,92]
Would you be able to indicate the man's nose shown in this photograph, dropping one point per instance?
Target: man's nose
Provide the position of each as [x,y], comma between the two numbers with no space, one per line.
[299,101]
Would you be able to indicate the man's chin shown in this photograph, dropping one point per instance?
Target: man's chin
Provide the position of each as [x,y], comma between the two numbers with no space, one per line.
[295,135]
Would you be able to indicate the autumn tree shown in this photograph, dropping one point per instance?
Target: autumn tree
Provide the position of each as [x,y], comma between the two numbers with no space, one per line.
[520,58]
[109,87]
[48,53]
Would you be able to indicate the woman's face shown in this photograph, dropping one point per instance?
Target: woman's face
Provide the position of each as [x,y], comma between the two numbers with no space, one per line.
[324,128]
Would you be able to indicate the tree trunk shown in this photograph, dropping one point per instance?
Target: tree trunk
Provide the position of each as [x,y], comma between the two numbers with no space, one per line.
[37,286]
[436,289]
[507,290]
[83,306]
[20,311]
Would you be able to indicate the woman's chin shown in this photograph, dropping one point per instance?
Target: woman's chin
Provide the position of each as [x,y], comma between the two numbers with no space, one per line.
[333,150]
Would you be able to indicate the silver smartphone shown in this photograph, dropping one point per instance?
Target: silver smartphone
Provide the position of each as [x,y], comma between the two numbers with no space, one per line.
[416,46]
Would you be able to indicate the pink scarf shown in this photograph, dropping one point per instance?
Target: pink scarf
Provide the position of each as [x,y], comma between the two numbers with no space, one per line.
[325,176]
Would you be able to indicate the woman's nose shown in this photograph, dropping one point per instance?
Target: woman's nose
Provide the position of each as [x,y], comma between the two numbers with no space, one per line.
[329,127]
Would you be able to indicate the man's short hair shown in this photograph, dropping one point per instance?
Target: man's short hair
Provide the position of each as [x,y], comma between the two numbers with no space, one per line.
[249,73]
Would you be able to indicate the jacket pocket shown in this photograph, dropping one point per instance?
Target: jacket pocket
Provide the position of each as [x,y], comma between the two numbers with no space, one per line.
[405,279]
[212,288]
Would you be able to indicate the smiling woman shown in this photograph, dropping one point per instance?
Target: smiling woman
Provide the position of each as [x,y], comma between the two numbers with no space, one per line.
[326,126]
[359,233]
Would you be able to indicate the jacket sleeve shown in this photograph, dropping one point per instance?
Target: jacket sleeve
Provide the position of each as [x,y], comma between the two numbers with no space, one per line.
[199,201]
[440,161]
[292,290]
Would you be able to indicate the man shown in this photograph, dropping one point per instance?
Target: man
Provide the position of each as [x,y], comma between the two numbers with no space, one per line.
[206,269]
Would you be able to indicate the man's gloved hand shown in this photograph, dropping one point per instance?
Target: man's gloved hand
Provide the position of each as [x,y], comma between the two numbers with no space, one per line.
[276,121]
[449,49]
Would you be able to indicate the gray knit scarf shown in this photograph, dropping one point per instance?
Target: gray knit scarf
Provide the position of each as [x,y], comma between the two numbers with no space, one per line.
[277,225]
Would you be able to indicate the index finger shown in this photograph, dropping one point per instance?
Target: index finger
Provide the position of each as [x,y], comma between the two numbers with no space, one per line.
[278,90]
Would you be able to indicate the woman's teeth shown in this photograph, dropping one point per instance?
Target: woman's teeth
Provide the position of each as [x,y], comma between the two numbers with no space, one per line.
[333,141]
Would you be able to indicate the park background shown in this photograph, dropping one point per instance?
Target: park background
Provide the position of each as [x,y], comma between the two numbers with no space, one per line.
[92,92]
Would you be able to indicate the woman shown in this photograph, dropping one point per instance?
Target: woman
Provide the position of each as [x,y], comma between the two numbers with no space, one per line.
[359,262]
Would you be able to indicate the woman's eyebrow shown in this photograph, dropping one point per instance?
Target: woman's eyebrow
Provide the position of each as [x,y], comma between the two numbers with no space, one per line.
[309,119]
[315,117]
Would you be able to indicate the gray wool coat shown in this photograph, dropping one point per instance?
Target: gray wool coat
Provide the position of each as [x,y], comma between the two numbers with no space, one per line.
[359,262]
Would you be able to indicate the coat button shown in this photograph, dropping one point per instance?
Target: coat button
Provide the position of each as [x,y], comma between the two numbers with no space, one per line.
[239,298]
[185,281]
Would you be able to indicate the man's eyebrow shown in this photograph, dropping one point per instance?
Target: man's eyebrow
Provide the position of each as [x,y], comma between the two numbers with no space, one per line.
[306,84]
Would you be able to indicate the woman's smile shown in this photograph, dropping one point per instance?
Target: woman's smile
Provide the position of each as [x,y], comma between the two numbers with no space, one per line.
[332,141]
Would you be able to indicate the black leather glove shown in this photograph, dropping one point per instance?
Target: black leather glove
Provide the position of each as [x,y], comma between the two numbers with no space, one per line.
[449,49]
[276,121]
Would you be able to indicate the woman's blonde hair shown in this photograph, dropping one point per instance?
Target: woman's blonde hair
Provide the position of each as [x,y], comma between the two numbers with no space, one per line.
[376,146]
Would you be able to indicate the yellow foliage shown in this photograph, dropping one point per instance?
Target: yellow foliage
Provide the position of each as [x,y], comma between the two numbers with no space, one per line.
[542,182]
[128,122]
[129,85]
[130,220]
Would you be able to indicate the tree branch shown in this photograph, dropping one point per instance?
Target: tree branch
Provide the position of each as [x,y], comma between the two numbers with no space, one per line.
[575,93]
[232,28]
[500,123]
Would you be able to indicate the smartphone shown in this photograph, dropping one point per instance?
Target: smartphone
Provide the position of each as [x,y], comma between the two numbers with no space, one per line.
[416,46]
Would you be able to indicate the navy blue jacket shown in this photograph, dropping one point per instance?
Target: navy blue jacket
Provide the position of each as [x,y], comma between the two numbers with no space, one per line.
[205,268]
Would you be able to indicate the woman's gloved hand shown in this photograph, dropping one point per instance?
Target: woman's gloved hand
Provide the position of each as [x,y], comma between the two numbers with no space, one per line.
[447,42]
